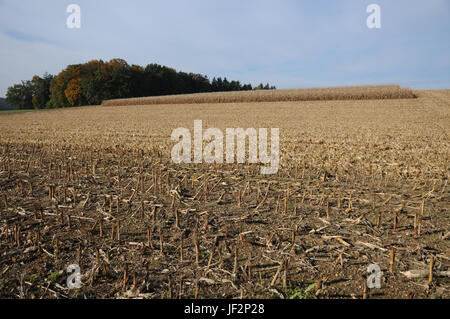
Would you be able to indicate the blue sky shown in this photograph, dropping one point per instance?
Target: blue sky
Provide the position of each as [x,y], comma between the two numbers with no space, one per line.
[288,43]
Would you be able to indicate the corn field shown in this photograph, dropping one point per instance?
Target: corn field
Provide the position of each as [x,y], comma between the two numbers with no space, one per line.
[319,94]
[363,180]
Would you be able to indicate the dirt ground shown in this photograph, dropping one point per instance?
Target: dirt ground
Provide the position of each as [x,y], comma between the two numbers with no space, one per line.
[360,183]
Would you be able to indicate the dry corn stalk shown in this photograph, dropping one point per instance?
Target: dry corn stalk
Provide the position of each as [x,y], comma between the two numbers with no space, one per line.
[392,261]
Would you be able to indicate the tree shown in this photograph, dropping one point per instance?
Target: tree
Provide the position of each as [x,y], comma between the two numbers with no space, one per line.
[20,95]
[260,87]
[41,90]
[73,92]
[93,83]
[265,87]
[96,80]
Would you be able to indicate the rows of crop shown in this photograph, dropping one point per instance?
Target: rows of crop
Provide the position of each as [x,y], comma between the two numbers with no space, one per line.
[317,94]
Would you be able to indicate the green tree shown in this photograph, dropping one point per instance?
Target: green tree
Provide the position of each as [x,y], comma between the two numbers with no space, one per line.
[96,80]
[41,90]
[20,96]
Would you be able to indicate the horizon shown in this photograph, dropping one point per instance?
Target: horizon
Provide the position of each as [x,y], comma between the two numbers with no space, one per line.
[289,44]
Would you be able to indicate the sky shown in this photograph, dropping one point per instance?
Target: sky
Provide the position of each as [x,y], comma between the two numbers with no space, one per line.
[288,43]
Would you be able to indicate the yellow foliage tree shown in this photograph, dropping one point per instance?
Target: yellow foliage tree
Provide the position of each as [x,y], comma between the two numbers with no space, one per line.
[73,92]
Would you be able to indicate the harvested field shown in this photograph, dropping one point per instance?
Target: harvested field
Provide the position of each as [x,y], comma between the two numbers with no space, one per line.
[361,182]
[318,94]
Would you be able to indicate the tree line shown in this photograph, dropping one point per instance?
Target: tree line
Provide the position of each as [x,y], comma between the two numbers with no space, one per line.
[92,82]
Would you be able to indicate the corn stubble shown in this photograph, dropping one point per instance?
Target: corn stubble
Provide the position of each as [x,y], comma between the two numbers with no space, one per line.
[360,182]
